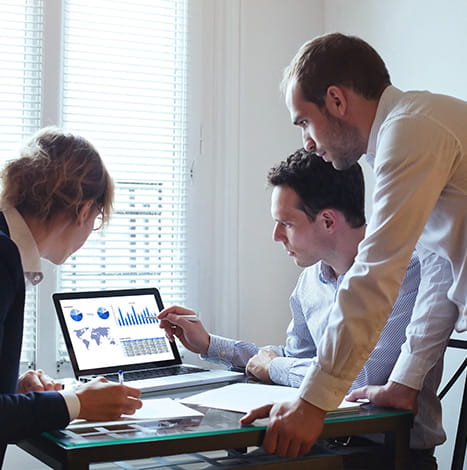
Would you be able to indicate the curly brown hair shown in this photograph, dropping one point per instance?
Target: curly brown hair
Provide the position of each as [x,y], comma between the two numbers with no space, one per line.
[319,185]
[57,172]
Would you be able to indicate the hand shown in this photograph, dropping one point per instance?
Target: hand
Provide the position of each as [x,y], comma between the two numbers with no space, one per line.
[293,427]
[258,365]
[102,400]
[192,334]
[37,381]
[393,394]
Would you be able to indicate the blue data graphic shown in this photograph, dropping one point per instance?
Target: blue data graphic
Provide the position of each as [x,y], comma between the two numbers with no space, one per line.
[134,318]
[76,315]
[103,313]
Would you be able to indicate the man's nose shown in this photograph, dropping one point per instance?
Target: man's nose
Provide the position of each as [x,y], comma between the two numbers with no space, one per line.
[308,143]
[276,233]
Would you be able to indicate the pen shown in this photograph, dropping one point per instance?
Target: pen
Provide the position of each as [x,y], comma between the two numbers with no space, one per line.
[120,377]
[186,317]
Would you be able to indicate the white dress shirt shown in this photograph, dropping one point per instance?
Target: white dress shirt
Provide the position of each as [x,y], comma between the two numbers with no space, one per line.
[417,148]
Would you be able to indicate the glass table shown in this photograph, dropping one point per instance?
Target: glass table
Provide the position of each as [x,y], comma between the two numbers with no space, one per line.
[75,448]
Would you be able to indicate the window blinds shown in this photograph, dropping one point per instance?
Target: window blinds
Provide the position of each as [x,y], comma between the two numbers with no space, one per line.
[125,69]
[20,105]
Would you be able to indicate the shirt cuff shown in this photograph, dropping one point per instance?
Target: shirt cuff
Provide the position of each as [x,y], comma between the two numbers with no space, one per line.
[323,390]
[220,349]
[72,403]
[410,370]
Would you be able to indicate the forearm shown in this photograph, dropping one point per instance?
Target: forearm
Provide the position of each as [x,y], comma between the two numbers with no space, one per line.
[24,415]
[288,371]
[230,352]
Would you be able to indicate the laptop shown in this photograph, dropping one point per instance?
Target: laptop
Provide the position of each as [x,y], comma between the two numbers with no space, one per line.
[109,331]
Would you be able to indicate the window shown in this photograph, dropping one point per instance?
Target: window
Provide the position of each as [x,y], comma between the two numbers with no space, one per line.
[123,70]
[20,106]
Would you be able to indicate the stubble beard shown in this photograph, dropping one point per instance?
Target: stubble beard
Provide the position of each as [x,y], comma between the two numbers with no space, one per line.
[345,144]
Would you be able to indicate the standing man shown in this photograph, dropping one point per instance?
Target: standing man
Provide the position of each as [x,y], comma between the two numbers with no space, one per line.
[338,91]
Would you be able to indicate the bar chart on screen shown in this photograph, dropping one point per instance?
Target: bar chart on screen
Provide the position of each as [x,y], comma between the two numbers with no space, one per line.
[134,318]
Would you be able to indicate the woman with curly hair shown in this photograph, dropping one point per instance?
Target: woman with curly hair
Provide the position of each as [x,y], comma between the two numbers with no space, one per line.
[53,196]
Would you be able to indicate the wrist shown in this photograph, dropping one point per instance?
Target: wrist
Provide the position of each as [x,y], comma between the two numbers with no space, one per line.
[207,342]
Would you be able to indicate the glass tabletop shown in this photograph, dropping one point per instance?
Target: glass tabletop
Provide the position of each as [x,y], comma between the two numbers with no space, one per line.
[212,422]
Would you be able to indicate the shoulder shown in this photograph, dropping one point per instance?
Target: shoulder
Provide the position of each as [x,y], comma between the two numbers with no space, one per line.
[11,269]
[8,250]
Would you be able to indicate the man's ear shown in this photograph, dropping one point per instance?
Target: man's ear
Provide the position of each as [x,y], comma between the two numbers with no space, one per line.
[85,212]
[329,219]
[336,101]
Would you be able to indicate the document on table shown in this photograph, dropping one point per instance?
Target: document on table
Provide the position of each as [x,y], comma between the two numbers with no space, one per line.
[243,397]
[152,409]
[163,408]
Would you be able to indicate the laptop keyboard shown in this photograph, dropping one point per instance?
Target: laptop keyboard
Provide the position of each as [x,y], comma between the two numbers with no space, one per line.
[151,373]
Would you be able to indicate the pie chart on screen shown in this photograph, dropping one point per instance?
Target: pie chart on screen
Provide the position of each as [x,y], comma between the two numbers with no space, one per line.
[76,315]
[103,313]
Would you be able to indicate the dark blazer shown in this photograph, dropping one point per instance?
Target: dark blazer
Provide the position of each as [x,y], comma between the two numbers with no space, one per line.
[21,415]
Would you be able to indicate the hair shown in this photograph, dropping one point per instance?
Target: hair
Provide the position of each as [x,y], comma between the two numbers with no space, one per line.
[56,173]
[336,59]
[320,186]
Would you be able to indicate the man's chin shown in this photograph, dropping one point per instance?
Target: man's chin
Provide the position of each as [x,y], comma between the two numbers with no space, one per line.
[343,163]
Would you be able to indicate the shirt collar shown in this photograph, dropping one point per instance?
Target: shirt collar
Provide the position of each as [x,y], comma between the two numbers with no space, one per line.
[391,95]
[326,274]
[22,236]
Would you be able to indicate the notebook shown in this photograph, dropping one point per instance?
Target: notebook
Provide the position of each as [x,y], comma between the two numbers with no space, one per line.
[108,331]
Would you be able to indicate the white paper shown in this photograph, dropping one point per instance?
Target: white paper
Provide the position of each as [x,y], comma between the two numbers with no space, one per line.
[153,408]
[243,397]
[163,408]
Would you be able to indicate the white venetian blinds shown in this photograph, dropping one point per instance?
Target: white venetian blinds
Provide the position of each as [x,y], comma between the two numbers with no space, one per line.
[125,68]
[20,105]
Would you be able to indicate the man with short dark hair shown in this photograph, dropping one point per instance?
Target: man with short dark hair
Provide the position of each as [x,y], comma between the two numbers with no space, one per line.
[319,218]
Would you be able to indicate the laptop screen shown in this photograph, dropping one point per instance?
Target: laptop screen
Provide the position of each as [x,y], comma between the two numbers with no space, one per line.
[110,330]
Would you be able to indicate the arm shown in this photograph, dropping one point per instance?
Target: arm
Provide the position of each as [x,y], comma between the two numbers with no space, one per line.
[268,367]
[193,336]
[20,415]
[24,415]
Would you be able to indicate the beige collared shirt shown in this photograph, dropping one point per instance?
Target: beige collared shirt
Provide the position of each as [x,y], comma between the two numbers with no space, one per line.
[31,262]
[22,236]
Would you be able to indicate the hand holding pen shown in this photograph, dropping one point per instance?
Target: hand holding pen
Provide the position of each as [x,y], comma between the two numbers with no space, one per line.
[184,324]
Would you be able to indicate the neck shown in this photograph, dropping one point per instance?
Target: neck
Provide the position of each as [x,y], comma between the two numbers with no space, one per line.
[361,113]
[342,256]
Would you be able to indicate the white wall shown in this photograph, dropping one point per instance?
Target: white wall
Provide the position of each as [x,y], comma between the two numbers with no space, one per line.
[246,129]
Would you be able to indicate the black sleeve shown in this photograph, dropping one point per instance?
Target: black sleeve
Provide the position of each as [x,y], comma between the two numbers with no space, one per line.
[24,415]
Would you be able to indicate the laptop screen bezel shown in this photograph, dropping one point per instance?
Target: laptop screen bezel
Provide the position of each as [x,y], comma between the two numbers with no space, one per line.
[57,297]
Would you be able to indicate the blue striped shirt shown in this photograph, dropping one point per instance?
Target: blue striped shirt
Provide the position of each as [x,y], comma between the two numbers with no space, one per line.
[311,303]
